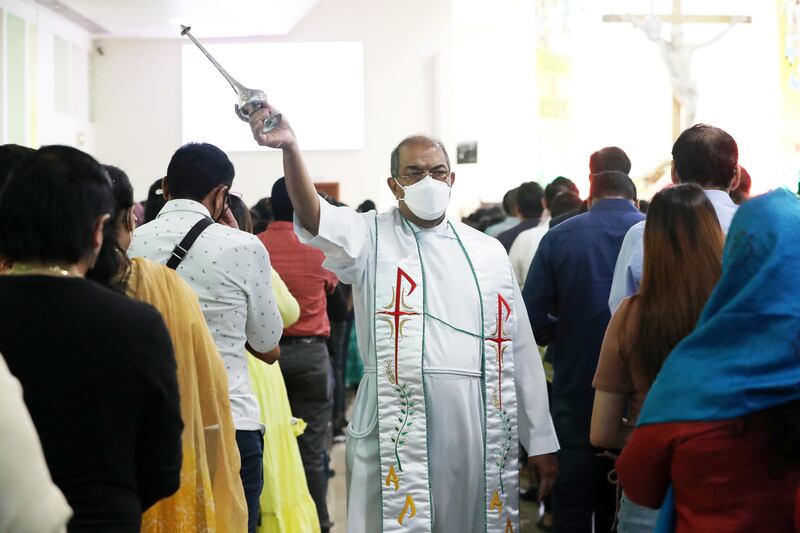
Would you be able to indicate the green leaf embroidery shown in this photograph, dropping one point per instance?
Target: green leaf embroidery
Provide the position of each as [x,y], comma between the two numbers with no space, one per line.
[407,411]
[505,443]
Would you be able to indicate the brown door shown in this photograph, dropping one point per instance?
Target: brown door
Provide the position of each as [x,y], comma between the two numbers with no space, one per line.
[330,188]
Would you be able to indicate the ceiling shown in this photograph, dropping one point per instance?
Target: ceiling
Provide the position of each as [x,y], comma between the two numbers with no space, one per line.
[162,18]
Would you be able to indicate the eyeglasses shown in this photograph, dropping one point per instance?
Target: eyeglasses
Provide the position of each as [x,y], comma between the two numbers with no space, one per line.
[415,176]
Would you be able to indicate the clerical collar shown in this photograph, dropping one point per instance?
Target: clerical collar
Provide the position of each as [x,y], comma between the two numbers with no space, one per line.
[443,229]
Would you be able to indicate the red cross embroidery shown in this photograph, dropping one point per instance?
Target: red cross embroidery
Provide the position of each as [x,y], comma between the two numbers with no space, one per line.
[498,339]
[396,313]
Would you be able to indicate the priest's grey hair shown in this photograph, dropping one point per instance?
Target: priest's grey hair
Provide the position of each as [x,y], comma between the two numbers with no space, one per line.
[414,139]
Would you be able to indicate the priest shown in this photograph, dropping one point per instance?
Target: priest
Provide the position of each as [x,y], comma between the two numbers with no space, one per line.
[453,378]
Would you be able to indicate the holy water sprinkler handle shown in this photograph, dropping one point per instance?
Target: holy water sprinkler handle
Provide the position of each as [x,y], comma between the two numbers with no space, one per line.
[250,100]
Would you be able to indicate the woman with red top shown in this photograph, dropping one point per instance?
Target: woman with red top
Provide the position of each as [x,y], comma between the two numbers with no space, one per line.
[719,433]
[682,264]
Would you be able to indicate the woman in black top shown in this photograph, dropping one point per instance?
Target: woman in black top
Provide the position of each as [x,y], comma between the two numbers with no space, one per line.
[96,367]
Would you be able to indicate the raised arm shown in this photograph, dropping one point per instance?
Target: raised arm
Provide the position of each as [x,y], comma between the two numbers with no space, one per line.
[298,183]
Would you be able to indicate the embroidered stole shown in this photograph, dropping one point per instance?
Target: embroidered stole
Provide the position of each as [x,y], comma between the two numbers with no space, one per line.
[399,332]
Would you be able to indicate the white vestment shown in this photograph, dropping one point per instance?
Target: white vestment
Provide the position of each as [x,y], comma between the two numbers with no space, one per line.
[452,373]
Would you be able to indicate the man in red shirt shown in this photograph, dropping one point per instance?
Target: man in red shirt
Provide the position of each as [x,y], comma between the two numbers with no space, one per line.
[304,355]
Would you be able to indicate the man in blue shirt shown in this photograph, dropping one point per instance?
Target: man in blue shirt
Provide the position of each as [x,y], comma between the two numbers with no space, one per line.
[566,294]
[704,155]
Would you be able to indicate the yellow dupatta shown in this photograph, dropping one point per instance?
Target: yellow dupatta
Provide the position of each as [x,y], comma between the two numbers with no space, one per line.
[210,497]
[286,504]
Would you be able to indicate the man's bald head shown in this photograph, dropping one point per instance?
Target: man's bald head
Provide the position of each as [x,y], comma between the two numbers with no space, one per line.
[421,141]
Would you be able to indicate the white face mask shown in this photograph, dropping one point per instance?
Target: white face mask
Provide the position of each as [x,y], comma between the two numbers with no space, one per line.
[428,198]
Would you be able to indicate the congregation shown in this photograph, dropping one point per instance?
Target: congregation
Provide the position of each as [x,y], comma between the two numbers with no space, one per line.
[184,363]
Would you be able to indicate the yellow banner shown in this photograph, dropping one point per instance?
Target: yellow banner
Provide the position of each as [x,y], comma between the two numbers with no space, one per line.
[789,42]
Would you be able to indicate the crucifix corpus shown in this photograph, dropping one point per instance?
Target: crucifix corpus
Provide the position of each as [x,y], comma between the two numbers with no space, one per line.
[677,54]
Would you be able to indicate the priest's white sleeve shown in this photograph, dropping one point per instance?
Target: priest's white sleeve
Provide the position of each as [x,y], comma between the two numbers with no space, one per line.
[345,237]
[536,431]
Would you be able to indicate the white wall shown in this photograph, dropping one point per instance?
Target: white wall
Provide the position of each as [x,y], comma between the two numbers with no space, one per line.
[466,70]
[50,126]
[138,104]
[493,95]
[619,93]
[622,92]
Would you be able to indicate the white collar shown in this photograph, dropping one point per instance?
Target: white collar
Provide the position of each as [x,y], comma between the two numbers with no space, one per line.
[441,229]
[184,204]
[718,197]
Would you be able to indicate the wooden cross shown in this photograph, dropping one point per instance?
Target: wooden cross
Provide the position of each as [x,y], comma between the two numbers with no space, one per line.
[676,19]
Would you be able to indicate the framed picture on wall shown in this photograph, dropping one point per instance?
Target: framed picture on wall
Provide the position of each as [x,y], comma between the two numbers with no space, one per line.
[467,153]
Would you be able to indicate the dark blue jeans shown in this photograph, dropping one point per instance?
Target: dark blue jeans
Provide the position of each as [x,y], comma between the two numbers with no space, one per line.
[251,450]
[583,498]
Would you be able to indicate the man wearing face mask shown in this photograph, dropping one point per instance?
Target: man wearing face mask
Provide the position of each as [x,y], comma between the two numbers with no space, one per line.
[453,379]
[230,272]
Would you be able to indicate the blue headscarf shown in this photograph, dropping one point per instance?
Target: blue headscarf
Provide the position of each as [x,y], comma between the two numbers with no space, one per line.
[744,354]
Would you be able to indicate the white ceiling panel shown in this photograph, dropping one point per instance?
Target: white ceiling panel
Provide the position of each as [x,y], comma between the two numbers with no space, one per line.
[162,18]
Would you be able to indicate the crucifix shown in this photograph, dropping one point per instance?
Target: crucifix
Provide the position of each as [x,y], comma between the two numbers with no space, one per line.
[677,54]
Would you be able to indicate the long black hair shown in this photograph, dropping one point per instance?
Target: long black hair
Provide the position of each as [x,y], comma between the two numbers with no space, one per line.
[683,246]
[112,266]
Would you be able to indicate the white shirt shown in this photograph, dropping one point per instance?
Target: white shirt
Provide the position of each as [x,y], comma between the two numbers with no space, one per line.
[230,272]
[452,372]
[630,261]
[29,500]
[524,248]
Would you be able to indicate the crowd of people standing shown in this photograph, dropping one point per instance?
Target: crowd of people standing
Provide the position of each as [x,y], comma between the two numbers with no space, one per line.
[653,327]
[155,419]
[139,346]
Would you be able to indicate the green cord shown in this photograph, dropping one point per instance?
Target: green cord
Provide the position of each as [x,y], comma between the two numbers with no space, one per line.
[455,328]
